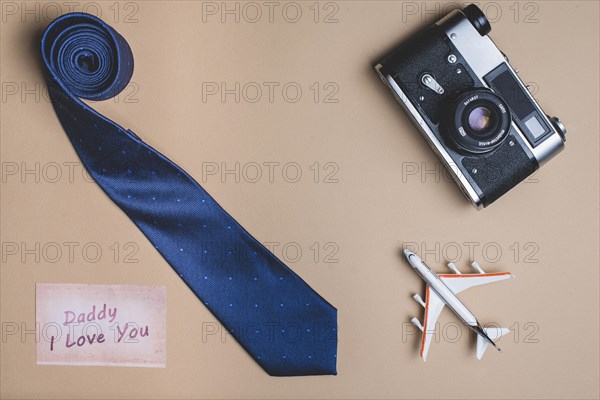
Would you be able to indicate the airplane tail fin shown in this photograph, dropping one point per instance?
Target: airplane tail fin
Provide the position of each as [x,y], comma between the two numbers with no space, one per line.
[493,333]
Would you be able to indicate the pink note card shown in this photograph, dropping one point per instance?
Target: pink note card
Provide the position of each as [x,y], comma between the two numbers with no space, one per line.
[117,325]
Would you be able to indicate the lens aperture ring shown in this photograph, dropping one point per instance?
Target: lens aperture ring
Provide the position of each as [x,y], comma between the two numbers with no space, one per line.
[479,121]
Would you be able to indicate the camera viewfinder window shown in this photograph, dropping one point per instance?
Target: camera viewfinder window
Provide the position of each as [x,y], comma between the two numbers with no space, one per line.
[535,127]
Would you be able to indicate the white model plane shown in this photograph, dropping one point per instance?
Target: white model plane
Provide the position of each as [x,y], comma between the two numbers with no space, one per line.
[442,290]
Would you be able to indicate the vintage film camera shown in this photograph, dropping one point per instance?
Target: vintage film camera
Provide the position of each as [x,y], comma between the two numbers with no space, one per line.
[471,106]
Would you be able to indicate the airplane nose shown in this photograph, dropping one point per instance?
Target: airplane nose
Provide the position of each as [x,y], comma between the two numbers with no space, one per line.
[408,253]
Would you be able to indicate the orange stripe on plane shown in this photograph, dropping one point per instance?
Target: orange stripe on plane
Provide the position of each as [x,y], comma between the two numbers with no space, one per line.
[425,321]
[472,275]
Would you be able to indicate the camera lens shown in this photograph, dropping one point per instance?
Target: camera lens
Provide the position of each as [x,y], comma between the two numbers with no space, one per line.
[478,19]
[478,121]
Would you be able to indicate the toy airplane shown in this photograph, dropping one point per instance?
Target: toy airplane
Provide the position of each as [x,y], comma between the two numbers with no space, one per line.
[442,290]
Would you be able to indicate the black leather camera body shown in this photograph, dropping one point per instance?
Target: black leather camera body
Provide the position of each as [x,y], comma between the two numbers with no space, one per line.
[471,106]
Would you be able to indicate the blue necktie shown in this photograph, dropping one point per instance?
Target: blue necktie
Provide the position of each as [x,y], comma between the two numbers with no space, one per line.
[283,324]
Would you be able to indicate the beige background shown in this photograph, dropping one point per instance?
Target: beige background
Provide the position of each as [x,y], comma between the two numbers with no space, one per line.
[546,229]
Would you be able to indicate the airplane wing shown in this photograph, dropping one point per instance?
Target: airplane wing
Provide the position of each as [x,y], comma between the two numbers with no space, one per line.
[433,307]
[461,282]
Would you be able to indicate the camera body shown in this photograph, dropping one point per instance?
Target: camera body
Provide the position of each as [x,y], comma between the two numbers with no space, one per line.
[471,106]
